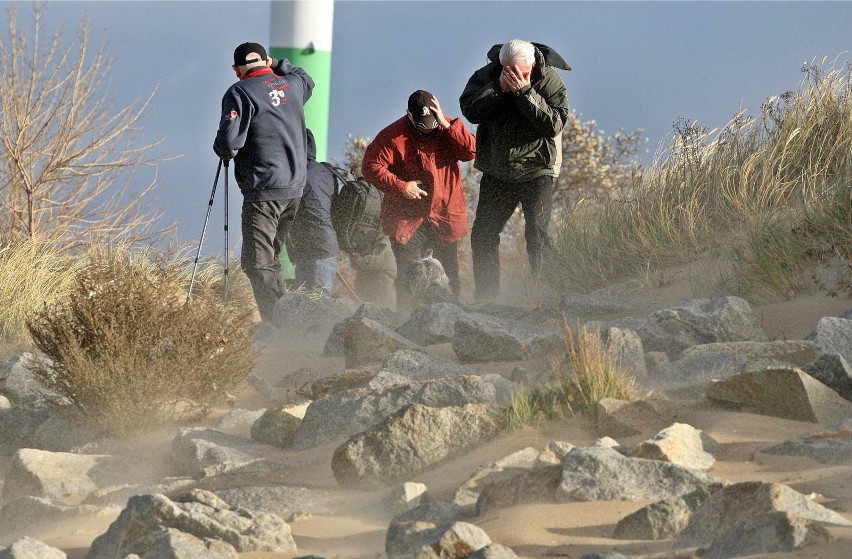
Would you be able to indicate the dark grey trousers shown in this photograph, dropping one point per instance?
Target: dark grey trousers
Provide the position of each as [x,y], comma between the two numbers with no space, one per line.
[497,202]
[264,227]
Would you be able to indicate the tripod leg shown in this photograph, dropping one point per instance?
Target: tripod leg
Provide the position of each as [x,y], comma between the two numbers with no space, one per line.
[204,231]
[225,280]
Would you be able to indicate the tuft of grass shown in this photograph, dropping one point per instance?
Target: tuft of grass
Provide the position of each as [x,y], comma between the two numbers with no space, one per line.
[32,273]
[124,349]
[593,375]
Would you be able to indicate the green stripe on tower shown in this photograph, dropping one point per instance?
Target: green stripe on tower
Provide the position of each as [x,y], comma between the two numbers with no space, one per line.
[317,63]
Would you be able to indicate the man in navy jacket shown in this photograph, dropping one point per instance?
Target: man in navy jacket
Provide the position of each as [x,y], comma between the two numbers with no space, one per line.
[262,129]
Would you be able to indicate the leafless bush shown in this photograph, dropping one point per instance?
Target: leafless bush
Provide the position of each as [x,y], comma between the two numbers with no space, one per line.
[125,350]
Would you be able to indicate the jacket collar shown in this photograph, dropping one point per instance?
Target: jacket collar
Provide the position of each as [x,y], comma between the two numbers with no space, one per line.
[257,71]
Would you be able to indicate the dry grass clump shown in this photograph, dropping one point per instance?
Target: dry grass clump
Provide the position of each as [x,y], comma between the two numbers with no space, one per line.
[31,274]
[770,194]
[124,349]
[593,376]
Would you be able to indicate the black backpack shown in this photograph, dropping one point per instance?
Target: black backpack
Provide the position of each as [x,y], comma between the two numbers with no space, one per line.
[355,210]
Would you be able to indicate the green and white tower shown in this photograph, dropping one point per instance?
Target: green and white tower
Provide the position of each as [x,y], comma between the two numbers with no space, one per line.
[301,31]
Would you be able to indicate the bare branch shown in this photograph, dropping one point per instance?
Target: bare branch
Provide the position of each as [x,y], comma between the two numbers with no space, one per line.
[66,156]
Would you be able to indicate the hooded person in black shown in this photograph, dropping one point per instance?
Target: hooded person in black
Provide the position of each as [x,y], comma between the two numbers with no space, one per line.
[262,129]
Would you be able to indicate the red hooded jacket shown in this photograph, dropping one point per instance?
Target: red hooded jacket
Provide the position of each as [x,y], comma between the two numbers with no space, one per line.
[400,154]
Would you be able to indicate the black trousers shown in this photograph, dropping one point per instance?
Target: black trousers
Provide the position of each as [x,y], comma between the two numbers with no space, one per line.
[264,227]
[425,238]
[497,201]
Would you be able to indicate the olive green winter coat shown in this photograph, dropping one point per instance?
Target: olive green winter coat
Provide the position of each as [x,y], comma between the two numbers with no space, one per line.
[518,136]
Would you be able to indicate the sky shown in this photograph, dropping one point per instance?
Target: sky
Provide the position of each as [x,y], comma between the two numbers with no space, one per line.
[636,65]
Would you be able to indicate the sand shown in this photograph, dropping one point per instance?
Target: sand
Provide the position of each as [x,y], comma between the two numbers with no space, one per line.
[357,526]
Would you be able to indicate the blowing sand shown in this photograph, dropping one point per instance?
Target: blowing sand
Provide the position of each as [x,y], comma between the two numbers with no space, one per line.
[356,526]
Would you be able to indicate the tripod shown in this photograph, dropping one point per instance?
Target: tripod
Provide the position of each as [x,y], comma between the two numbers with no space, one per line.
[222,163]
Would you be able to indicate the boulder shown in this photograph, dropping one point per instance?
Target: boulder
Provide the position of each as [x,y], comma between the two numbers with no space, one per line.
[479,338]
[457,540]
[494,551]
[201,452]
[366,341]
[278,426]
[624,348]
[770,532]
[522,460]
[700,321]
[334,345]
[834,371]
[406,496]
[347,380]
[432,324]
[788,392]
[343,414]
[240,418]
[411,441]
[19,384]
[664,519]
[405,528]
[406,366]
[28,548]
[61,475]
[200,514]
[602,474]
[520,486]
[287,501]
[19,424]
[620,418]
[833,335]
[579,306]
[737,505]
[679,444]
[832,445]
[700,364]
[174,544]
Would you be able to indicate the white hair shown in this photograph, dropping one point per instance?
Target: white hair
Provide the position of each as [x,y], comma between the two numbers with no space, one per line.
[517,50]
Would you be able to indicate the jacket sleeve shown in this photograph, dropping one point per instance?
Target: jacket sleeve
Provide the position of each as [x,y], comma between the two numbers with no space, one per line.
[545,108]
[481,96]
[234,123]
[462,141]
[283,67]
[378,157]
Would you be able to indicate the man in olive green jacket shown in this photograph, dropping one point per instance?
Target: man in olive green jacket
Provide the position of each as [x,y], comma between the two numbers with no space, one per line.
[520,106]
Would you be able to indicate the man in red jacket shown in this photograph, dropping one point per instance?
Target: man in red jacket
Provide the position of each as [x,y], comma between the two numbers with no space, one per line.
[415,162]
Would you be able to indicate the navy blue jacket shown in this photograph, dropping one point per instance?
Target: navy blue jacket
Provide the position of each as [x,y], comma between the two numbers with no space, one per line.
[263,129]
[312,236]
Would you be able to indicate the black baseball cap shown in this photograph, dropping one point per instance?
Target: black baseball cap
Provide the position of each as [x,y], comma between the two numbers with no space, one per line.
[245,49]
[418,105]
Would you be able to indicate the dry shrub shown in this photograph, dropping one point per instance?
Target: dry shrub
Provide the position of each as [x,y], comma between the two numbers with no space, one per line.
[125,350]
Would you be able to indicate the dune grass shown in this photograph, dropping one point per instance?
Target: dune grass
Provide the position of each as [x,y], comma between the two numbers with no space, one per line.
[31,274]
[591,376]
[773,192]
